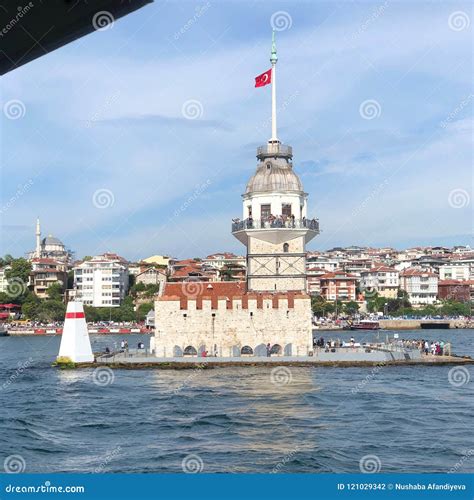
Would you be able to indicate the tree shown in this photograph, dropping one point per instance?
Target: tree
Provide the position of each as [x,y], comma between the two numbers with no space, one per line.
[144,309]
[351,307]
[6,260]
[55,291]
[321,307]
[136,288]
[51,310]
[30,307]
[20,268]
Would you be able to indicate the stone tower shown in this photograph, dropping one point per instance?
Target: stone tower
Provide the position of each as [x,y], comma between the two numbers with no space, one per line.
[275,227]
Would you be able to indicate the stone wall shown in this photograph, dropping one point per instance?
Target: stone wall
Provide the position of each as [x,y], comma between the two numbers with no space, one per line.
[233,324]
[275,269]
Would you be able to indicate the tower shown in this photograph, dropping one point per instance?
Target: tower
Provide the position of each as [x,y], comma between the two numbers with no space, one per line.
[38,238]
[275,227]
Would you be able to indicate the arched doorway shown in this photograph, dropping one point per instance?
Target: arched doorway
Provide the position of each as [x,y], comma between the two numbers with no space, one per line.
[260,350]
[177,351]
[246,351]
[190,351]
[276,350]
[289,350]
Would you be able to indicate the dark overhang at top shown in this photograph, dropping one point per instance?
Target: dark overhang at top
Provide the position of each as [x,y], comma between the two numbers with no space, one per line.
[31,29]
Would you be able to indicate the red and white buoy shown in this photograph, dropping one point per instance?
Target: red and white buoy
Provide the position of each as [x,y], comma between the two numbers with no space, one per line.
[75,342]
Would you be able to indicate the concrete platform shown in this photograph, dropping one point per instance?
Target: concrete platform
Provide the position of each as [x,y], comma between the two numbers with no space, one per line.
[122,360]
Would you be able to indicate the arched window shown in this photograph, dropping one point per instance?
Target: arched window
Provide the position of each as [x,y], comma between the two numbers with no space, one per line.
[190,351]
[246,350]
[276,349]
[286,247]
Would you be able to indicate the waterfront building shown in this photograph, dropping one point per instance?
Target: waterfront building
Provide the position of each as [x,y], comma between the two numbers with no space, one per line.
[313,277]
[455,270]
[382,279]
[420,285]
[101,281]
[46,272]
[338,285]
[3,279]
[459,291]
[269,312]
[49,248]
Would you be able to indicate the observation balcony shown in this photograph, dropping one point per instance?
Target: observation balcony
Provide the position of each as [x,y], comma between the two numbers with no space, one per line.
[275,230]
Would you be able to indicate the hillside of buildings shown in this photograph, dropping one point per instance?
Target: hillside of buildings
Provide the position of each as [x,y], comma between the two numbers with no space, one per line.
[420,281]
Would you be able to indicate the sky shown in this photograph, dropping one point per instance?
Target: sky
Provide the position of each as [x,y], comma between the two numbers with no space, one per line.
[139,138]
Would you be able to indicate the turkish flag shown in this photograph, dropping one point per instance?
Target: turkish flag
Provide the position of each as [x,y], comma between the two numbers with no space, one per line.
[264,79]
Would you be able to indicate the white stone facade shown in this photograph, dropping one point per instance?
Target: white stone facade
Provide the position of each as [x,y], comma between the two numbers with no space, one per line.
[384,281]
[421,287]
[229,332]
[276,267]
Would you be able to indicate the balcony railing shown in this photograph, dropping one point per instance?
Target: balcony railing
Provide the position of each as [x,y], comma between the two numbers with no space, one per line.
[274,149]
[240,225]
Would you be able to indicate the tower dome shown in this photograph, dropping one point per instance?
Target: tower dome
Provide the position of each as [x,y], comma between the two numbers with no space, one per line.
[274,175]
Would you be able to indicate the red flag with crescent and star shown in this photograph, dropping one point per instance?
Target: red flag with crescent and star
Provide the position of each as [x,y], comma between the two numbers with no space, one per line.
[264,79]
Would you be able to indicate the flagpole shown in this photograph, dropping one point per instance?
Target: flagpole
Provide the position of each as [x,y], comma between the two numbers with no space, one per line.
[273,60]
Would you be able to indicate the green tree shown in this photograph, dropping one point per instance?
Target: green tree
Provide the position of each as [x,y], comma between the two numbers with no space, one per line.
[351,308]
[30,308]
[55,291]
[321,307]
[137,288]
[144,309]
[51,310]
[20,268]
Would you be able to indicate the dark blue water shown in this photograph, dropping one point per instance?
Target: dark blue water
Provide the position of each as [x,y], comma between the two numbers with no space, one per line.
[407,419]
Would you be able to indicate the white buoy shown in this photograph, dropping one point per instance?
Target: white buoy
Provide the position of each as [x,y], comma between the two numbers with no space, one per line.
[75,342]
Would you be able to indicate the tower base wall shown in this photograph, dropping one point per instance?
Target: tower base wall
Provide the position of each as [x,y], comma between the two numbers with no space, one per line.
[236,327]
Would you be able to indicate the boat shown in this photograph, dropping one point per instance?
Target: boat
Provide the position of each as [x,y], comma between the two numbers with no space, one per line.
[365,325]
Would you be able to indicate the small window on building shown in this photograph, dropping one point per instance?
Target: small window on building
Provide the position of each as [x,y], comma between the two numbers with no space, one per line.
[265,211]
[286,209]
[286,247]
[269,166]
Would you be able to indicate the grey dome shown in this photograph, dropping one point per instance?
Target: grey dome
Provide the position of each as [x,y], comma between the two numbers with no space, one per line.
[51,240]
[274,175]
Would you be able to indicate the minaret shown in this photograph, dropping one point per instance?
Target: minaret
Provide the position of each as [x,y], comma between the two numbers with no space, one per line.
[38,238]
[275,226]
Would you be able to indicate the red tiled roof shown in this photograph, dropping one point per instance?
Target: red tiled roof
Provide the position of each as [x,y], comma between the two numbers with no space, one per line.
[199,290]
[452,283]
[382,268]
[185,271]
[416,272]
[225,255]
[337,275]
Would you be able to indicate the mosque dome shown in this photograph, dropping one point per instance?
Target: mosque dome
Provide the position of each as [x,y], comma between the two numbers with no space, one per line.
[274,174]
[51,241]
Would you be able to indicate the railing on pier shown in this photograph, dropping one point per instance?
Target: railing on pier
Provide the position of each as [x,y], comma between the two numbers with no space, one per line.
[105,357]
[240,225]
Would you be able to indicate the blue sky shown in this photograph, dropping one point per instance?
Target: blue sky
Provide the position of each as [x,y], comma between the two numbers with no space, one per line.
[376,99]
